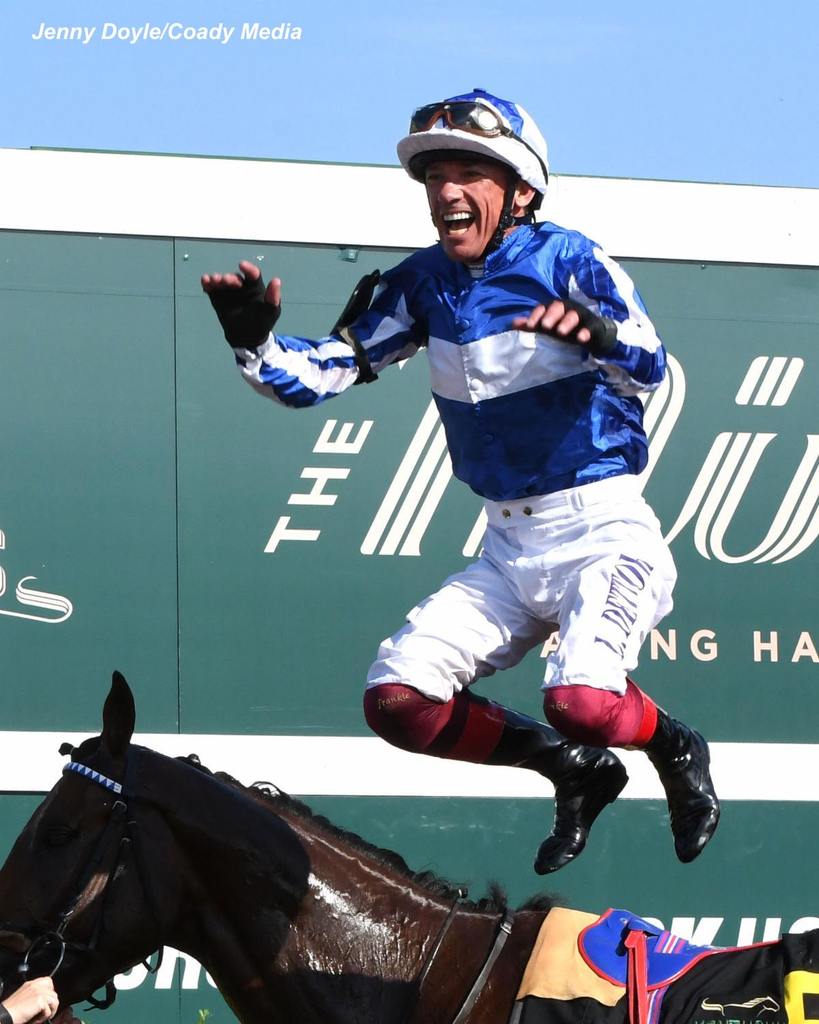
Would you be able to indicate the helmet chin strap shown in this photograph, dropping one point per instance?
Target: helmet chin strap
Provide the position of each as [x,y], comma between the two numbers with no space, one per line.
[506,220]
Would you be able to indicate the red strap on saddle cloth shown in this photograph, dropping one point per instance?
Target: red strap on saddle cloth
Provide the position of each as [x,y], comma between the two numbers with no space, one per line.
[637,977]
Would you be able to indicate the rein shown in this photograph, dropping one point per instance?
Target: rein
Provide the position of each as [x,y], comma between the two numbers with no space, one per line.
[122,827]
[450,917]
[503,933]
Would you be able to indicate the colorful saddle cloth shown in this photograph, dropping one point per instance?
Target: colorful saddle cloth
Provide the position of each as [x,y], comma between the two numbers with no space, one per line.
[607,948]
[628,950]
[618,967]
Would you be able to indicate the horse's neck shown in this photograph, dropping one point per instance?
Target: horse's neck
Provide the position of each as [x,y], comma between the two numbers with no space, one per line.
[367,914]
[291,922]
[351,952]
[365,934]
[239,876]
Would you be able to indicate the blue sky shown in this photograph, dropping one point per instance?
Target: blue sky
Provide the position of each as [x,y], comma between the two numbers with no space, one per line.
[722,91]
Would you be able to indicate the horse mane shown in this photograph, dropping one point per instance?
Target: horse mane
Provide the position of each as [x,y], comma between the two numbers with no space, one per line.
[494,902]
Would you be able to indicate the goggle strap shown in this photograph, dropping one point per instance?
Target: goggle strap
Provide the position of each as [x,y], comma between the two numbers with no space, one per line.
[436,111]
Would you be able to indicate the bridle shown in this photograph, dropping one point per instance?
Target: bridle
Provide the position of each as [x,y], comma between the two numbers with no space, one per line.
[121,828]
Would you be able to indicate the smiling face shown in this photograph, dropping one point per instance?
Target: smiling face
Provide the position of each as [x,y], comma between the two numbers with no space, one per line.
[466,200]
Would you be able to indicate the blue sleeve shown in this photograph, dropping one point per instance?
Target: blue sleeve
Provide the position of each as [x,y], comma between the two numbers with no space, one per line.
[637,362]
[299,372]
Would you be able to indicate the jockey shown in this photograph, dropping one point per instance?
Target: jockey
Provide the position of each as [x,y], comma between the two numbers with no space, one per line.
[538,347]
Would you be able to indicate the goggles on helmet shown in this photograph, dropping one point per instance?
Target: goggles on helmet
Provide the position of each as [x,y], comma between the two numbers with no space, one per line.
[468,116]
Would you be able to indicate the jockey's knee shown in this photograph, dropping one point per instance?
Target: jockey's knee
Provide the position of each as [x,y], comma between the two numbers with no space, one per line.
[405,717]
[464,728]
[600,718]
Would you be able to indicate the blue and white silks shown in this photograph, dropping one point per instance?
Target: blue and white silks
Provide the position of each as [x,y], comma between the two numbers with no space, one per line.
[524,413]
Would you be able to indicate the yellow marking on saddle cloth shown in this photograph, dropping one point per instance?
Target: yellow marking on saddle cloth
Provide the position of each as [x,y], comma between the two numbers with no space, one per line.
[556,970]
[799,984]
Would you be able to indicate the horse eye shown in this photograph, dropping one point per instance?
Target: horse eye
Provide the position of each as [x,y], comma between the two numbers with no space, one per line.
[59,835]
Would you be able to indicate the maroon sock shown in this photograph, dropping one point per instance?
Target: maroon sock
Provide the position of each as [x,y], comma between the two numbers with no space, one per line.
[602,718]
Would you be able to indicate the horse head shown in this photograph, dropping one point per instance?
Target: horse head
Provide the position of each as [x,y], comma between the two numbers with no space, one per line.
[132,850]
[58,883]
[294,918]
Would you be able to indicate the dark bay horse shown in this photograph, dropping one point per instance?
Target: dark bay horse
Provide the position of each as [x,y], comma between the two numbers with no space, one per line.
[295,920]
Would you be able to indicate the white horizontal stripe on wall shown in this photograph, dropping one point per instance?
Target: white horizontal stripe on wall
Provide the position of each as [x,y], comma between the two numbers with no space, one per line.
[358,205]
[367,766]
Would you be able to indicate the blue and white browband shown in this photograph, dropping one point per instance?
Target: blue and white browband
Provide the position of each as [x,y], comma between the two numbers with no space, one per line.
[89,773]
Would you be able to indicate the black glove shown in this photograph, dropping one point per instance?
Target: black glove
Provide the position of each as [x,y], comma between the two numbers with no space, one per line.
[603,330]
[244,315]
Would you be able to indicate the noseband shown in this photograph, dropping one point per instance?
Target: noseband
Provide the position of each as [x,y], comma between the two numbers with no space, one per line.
[121,827]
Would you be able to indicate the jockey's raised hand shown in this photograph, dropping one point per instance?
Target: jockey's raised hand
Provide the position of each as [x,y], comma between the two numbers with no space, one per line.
[247,310]
[570,321]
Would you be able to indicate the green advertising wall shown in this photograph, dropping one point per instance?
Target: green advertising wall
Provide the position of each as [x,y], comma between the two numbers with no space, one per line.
[160,518]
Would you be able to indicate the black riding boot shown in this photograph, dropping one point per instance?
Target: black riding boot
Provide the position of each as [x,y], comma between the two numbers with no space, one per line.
[585,780]
[681,758]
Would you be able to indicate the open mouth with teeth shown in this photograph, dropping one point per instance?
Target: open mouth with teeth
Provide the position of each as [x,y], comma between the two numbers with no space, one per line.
[457,223]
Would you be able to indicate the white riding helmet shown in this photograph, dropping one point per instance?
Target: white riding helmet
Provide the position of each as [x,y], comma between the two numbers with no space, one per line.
[481,123]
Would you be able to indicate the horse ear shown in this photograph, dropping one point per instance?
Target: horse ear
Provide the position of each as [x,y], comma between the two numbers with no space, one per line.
[118,717]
